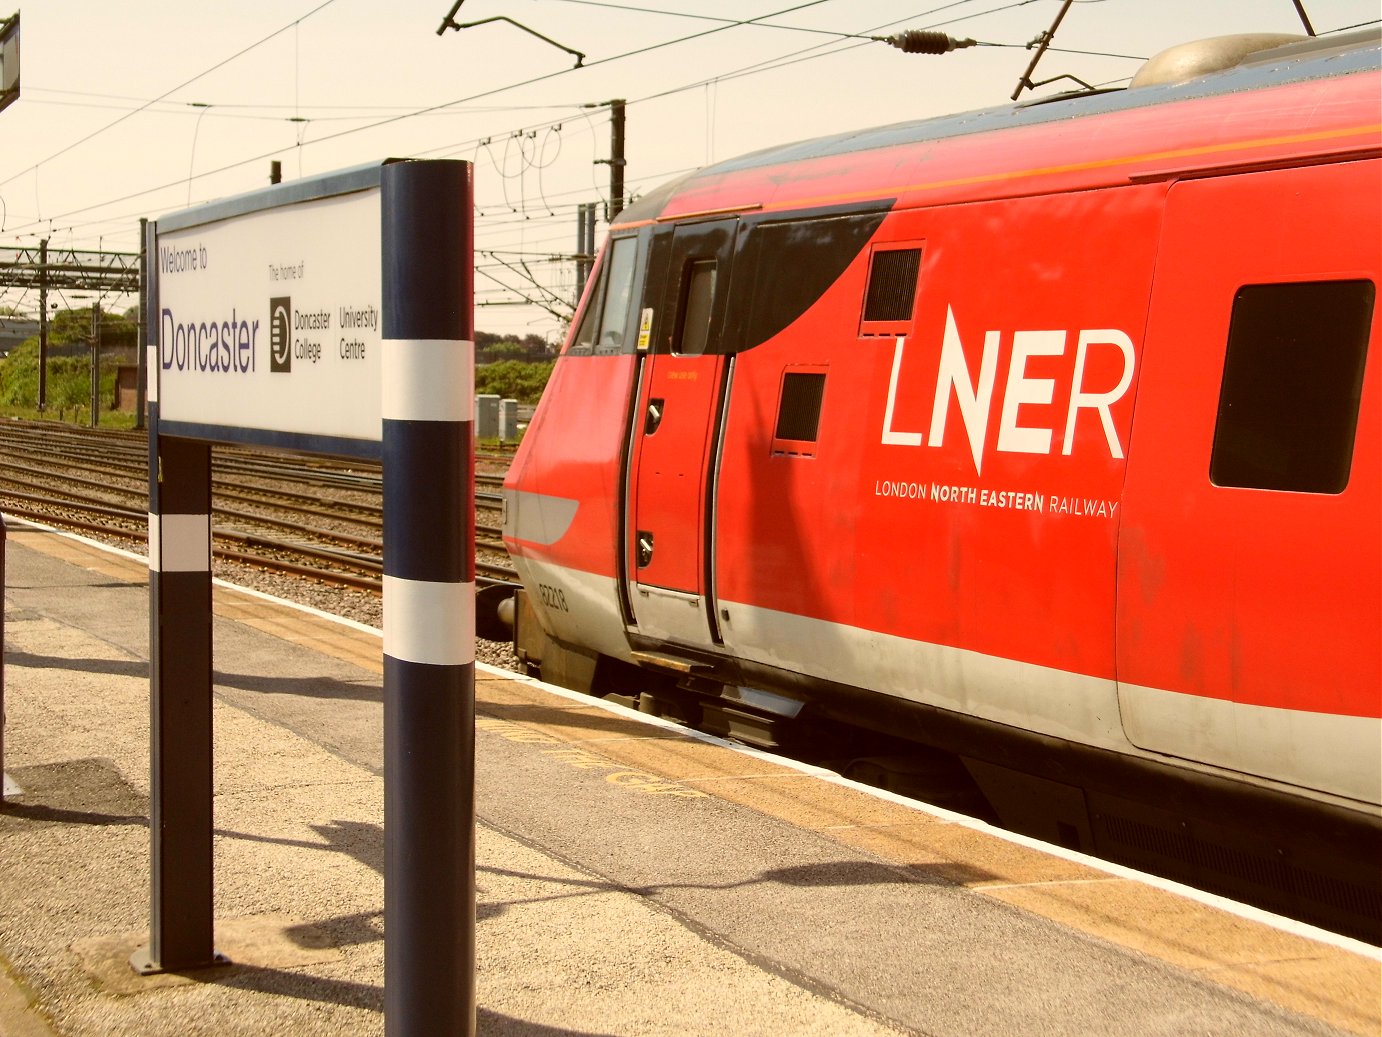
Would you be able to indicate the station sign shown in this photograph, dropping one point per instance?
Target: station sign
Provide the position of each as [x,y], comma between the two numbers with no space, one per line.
[267,323]
[263,321]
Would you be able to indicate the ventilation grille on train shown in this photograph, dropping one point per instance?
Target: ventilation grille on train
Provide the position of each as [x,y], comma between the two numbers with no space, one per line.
[799,413]
[892,285]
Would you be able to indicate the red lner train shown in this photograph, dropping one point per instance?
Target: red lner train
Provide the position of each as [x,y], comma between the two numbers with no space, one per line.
[1044,437]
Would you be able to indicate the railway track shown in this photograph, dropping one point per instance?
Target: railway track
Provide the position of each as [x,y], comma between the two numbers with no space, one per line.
[308,517]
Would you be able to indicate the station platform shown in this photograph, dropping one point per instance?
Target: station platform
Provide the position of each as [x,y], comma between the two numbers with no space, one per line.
[632,878]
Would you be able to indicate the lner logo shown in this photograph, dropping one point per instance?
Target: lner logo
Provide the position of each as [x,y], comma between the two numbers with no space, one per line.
[281,334]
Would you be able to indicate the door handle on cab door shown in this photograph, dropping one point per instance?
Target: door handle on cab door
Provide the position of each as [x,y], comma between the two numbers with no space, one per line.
[654,416]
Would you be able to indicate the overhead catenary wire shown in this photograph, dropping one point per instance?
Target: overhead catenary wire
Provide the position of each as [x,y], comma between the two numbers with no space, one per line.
[437,107]
[863,38]
[768,65]
[228,109]
[527,216]
[120,229]
[200,75]
[725,21]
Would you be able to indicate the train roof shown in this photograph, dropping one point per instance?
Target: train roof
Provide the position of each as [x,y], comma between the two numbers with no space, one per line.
[1296,62]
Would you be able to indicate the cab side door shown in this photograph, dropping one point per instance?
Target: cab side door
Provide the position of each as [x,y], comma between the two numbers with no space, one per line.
[675,434]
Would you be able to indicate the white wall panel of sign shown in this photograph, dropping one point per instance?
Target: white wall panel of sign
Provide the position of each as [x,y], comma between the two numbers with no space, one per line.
[271,320]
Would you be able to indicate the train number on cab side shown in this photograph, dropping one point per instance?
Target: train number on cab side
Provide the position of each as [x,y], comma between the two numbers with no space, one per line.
[553,597]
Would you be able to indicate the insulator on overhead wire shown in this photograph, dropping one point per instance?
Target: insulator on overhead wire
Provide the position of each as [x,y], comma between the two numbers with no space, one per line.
[921,41]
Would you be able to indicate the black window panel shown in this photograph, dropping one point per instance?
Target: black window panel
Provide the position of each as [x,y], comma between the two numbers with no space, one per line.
[617,290]
[696,308]
[584,341]
[659,256]
[1293,376]
[602,324]
[799,411]
[795,262]
[892,285]
[689,277]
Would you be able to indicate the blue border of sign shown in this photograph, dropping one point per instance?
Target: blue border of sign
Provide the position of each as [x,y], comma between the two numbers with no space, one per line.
[294,192]
[310,189]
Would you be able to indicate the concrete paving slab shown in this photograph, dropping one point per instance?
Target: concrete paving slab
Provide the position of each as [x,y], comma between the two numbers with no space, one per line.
[298,829]
[574,723]
[625,886]
[18,1015]
[914,948]
[806,801]
[315,633]
[267,941]
[1285,967]
[966,856]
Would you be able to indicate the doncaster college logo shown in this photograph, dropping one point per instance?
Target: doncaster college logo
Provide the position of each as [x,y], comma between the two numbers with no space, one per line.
[281,334]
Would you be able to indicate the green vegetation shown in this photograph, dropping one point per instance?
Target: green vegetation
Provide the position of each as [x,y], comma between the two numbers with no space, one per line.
[514,379]
[513,369]
[69,369]
[492,349]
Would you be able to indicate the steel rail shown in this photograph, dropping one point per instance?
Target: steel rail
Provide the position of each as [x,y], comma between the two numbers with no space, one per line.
[118,461]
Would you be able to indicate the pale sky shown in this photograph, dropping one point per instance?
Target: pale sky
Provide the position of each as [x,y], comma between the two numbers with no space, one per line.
[141,107]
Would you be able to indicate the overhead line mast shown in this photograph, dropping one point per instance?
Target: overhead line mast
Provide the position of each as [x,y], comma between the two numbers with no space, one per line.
[80,270]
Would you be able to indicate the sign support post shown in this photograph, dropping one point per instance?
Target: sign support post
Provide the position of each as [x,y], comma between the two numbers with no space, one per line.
[429,600]
[180,821]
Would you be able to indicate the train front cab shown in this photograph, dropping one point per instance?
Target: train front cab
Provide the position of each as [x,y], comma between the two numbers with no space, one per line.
[1230,614]
[1231,604]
